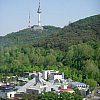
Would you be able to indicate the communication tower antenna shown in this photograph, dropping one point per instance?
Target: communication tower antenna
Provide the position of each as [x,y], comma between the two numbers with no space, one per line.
[29,21]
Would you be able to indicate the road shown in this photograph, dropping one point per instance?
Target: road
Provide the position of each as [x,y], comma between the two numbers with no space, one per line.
[96,94]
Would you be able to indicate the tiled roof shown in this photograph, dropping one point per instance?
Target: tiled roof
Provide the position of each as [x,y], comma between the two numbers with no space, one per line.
[78,84]
[65,90]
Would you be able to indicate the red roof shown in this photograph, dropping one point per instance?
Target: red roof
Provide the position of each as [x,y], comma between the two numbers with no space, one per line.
[15,99]
[66,90]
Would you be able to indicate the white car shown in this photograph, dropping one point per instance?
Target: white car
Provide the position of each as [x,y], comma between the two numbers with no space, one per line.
[98,92]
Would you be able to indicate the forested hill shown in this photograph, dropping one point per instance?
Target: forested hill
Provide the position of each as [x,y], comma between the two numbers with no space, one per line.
[82,31]
[27,36]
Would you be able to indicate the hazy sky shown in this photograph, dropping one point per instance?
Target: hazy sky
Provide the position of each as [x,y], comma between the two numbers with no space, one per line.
[14,13]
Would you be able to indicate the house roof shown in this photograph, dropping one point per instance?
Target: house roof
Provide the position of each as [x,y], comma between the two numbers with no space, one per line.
[6,87]
[66,90]
[78,84]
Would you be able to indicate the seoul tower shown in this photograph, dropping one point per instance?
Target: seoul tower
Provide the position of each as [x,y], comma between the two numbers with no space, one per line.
[38,27]
[39,15]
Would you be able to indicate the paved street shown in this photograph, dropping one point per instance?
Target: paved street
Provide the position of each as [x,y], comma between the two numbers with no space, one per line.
[96,94]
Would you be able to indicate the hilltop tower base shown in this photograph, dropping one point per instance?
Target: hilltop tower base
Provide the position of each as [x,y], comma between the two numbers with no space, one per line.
[36,27]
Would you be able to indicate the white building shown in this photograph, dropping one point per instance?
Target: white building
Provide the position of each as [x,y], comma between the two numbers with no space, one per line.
[52,75]
[56,76]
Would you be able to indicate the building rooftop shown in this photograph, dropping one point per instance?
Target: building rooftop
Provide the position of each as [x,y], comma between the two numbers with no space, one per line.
[6,87]
[78,84]
[66,90]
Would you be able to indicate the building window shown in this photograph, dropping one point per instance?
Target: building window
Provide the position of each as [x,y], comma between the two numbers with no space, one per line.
[10,95]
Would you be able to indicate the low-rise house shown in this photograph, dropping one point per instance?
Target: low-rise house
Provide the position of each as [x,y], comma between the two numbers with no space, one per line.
[7,92]
[84,89]
[79,85]
[70,90]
